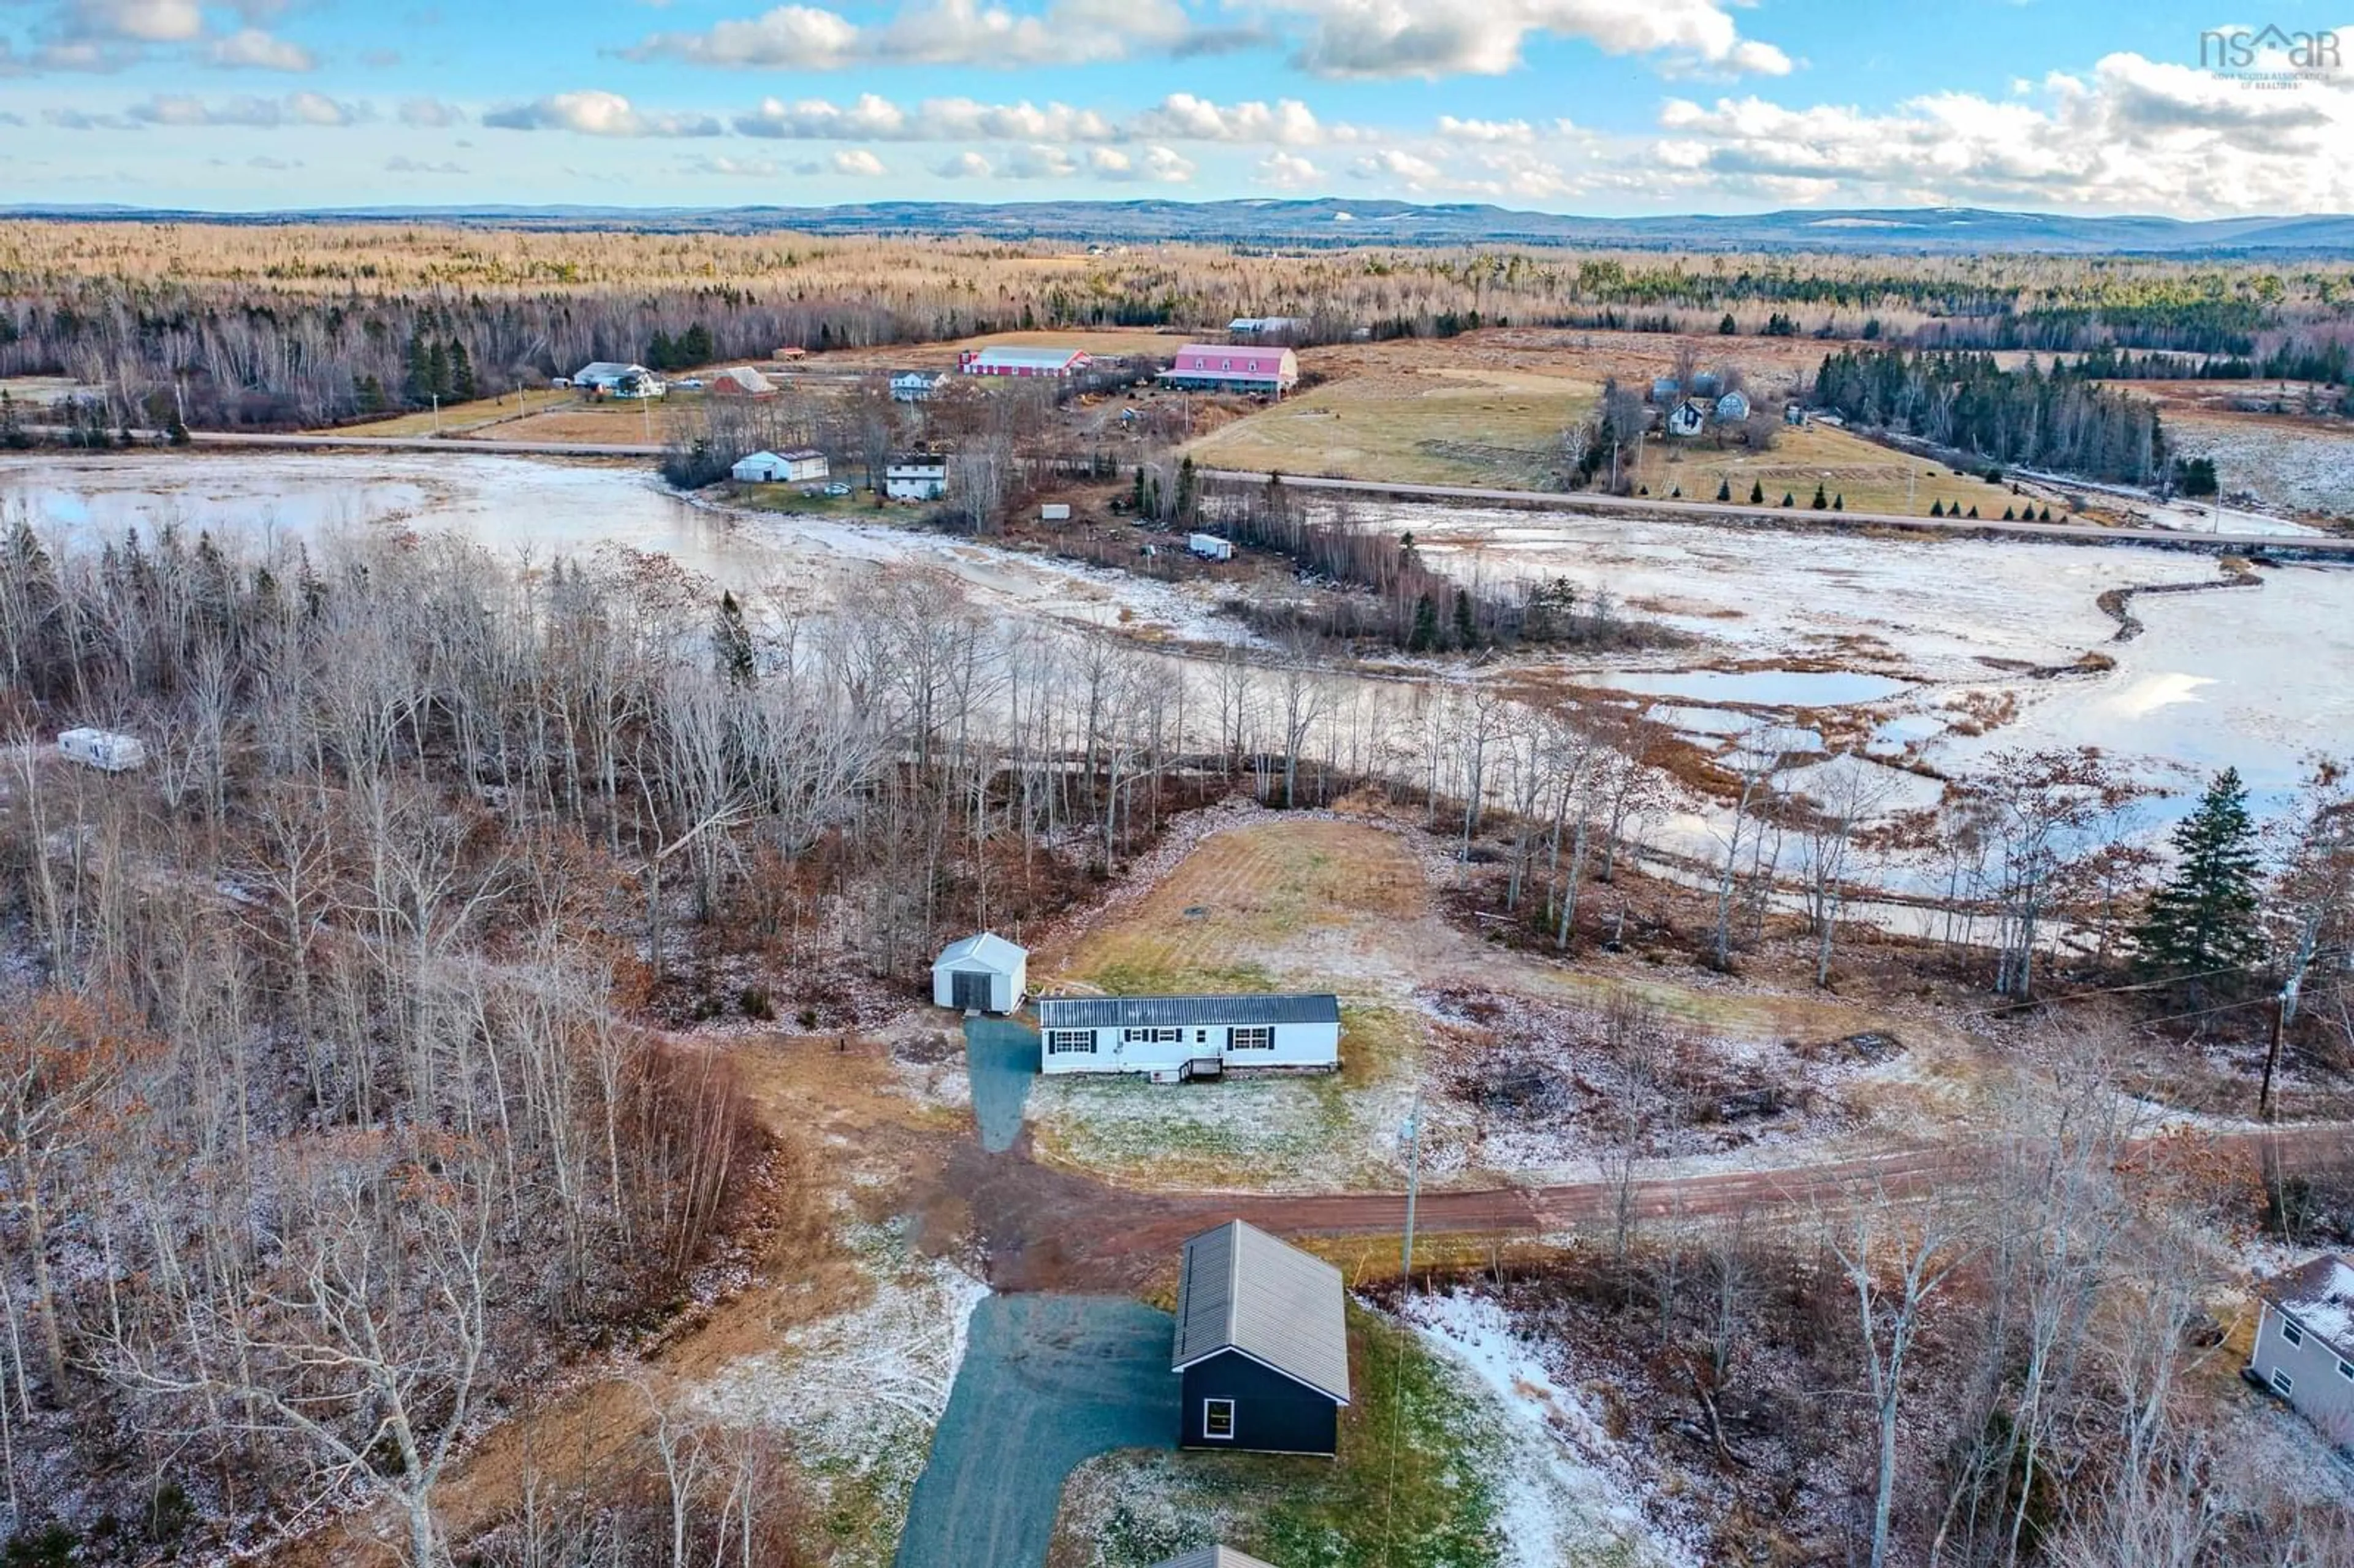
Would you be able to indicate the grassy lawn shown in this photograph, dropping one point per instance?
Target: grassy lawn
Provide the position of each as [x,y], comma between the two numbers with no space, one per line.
[1872,477]
[787,500]
[1430,1501]
[1278,906]
[465,416]
[1426,424]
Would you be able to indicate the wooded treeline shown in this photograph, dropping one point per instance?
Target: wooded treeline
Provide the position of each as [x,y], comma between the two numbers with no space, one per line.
[303,324]
[2032,417]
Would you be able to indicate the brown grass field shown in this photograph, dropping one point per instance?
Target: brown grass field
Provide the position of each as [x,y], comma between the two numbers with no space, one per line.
[1873,478]
[1422,424]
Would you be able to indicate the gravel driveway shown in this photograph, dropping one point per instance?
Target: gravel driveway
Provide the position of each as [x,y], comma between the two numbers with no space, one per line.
[1048,1382]
[1001,1058]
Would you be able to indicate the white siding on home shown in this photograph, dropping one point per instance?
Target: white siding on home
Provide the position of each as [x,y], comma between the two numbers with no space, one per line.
[2319,1381]
[1170,1044]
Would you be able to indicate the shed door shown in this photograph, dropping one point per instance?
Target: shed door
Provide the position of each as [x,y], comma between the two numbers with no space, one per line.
[970,990]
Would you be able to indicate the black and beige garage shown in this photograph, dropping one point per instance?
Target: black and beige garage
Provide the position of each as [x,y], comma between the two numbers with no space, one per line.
[1262,1345]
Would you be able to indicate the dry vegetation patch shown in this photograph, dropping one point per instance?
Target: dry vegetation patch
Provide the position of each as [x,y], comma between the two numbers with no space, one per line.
[1425,423]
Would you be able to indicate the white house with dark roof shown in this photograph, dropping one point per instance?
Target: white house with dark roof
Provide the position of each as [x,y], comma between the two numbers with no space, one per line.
[1172,1038]
[1002,360]
[1262,1345]
[2304,1348]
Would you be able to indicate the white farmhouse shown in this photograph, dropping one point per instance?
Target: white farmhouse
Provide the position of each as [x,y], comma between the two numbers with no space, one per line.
[609,378]
[1172,1038]
[102,749]
[982,974]
[915,385]
[915,476]
[1686,420]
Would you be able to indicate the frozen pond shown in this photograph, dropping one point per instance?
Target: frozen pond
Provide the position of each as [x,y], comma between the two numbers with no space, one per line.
[1758,688]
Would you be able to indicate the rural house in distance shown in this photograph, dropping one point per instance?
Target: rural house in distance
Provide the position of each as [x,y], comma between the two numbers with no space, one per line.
[2304,1348]
[915,385]
[1262,1345]
[1215,1557]
[780,468]
[1227,367]
[1173,1038]
[915,476]
[610,378]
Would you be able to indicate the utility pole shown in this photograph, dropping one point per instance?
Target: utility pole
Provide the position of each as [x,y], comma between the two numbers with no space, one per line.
[2273,1055]
[1412,1178]
[437,413]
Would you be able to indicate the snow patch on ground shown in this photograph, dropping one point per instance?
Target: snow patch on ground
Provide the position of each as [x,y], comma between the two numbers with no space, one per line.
[860,1394]
[1571,1485]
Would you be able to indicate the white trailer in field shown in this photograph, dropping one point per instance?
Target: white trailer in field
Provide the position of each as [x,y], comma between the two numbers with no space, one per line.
[1055,511]
[1171,1038]
[102,749]
[1210,547]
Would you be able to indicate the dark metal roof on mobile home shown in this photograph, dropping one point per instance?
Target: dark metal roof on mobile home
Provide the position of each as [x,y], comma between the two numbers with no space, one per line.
[1183,1012]
[1241,1290]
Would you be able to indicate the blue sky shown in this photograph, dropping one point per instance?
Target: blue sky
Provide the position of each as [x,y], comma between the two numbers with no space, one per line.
[1602,106]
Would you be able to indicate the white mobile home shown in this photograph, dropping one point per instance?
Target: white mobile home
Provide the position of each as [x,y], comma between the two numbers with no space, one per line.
[1171,1038]
[2304,1350]
[1210,547]
[1055,511]
[104,749]
[983,973]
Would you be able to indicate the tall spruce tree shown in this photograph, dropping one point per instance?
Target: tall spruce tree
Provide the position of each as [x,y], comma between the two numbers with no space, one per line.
[2204,918]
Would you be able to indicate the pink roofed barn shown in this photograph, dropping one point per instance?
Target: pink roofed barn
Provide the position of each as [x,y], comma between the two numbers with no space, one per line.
[1234,367]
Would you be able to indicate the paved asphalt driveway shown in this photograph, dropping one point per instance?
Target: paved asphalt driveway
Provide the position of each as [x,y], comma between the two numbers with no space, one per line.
[1048,1382]
[1001,1060]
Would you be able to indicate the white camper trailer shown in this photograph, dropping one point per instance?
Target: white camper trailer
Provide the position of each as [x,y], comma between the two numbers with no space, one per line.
[1210,547]
[104,749]
[1055,511]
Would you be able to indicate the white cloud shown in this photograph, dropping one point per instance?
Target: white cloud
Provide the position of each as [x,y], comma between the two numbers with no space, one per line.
[816,119]
[138,21]
[294,109]
[942,32]
[961,119]
[2135,133]
[1183,117]
[431,114]
[859,164]
[1446,38]
[251,48]
[1456,130]
[598,113]
[964,166]
[1399,166]
[1287,171]
[1037,161]
[1162,165]
[407,166]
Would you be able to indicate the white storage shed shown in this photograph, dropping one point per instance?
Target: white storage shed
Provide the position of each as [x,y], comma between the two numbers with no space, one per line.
[102,748]
[1055,511]
[982,974]
[1172,1038]
[1210,547]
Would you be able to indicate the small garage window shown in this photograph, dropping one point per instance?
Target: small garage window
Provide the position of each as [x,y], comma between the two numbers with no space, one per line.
[2282,1382]
[2291,1333]
[1218,1419]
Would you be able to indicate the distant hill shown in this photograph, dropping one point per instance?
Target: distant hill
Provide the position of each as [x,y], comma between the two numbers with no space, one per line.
[1326,220]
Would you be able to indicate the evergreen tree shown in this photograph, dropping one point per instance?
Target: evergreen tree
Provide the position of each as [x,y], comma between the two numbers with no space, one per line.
[732,643]
[2010,515]
[419,387]
[1936,509]
[1822,502]
[1727,327]
[2204,918]
[1467,634]
[1788,499]
[1140,490]
[1188,492]
[436,371]
[1973,510]
[660,354]
[695,346]
[371,394]
[1757,493]
[461,372]
[1425,627]
[1838,501]
[1725,489]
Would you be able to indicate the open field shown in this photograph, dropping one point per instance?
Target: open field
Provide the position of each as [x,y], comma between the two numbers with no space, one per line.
[1153,342]
[1871,477]
[1426,425]
[579,420]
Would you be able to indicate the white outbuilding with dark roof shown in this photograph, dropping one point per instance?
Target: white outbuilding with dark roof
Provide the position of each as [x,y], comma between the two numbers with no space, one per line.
[983,973]
[2304,1347]
[1172,1038]
[1262,1345]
